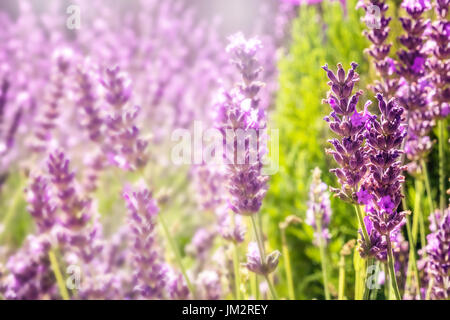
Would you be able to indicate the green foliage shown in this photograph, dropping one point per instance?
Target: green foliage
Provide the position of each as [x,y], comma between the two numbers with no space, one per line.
[321,34]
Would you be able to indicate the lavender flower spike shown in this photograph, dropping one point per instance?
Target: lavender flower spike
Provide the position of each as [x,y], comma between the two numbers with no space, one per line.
[379,50]
[150,274]
[319,208]
[76,211]
[254,263]
[124,145]
[384,140]
[240,118]
[438,259]
[41,206]
[349,125]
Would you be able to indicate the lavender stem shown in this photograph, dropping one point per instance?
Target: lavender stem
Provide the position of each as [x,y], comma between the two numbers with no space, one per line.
[392,276]
[57,272]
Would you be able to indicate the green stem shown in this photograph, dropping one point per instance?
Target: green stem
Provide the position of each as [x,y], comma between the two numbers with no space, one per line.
[428,188]
[341,289]
[57,272]
[412,262]
[176,254]
[392,277]
[359,214]
[417,209]
[262,254]
[322,257]
[271,287]
[287,260]
[237,276]
[366,287]
[441,166]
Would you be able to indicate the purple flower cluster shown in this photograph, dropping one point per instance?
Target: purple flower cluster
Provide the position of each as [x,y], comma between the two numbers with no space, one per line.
[349,125]
[384,139]
[319,208]
[379,50]
[41,206]
[57,93]
[438,63]
[413,93]
[30,276]
[254,261]
[125,147]
[150,274]
[240,120]
[438,259]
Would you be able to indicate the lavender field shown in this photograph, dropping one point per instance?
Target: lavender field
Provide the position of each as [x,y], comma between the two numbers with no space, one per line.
[224,150]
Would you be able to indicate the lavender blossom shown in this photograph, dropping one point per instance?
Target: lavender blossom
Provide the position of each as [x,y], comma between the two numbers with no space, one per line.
[438,63]
[176,286]
[201,243]
[319,208]
[209,285]
[438,259]
[124,146]
[384,139]
[30,276]
[75,210]
[379,50]
[377,247]
[254,261]
[41,206]
[47,120]
[92,119]
[349,125]
[414,90]
[239,118]
[231,228]
[150,274]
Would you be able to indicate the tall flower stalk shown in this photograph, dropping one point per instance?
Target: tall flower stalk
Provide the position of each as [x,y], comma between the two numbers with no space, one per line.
[241,120]
[318,216]
[349,125]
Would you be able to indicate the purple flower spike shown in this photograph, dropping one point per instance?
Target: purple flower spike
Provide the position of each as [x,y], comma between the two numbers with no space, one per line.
[240,119]
[150,274]
[41,206]
[254,263]
[319,208]
[349,125]
[379,50]
[384,139]
[438,259]
[124,146]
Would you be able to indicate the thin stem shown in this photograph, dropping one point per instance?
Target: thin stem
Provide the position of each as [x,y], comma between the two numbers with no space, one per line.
[176,254]
[262,255]
[417,209]
[428,188]
[412,263]
[366,287]
[287,260]
[361,224]
[57,272]
[441,166]
[341,288]
[237,276]
[271,287]
[322,257]
[392,276]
